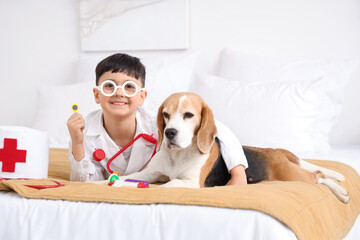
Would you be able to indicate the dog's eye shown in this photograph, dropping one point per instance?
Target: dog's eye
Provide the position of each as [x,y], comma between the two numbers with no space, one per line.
[166,115]
[188,115]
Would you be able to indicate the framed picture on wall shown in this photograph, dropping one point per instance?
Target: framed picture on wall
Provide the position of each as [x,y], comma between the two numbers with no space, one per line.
[134,25]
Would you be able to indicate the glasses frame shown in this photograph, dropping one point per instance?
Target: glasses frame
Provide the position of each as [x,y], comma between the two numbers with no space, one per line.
[100,88]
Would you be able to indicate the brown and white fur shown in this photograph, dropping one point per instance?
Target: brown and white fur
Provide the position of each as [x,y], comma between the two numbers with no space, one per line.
[188,157]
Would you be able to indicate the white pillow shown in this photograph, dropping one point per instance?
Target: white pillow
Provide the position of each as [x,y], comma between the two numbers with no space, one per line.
[54,108]
[242,66]
[297,116]
[165,74]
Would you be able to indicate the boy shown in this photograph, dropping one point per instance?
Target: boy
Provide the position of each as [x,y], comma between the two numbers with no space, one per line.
[121,119]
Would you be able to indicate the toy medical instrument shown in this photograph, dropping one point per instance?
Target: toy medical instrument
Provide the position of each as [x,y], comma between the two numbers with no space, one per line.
[58,184]
[130,88]
[75,107]
[99,154]
[120,183]
[114,181]
[137,181]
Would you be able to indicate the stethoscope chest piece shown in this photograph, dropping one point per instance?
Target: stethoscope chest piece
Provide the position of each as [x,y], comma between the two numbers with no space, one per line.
[98,155]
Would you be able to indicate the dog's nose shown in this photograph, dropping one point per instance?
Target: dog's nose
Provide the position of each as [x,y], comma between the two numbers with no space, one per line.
[170,133]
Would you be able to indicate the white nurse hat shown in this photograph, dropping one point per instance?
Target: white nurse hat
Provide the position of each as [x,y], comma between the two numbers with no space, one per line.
[24,152]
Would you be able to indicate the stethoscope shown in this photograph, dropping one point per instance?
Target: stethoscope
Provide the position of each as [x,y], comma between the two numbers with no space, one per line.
[99,154]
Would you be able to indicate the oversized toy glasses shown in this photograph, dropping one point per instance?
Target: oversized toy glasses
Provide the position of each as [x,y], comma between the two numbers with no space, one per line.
[130,88]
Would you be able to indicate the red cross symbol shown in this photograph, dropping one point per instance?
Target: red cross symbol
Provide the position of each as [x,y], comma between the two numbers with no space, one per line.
[9,155]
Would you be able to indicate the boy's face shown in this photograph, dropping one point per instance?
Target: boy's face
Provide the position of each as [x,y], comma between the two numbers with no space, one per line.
[119,105]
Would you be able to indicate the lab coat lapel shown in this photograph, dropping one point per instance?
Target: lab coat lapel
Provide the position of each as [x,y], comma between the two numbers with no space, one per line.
[142,150]
[118,164]
[104,142]
[140,154]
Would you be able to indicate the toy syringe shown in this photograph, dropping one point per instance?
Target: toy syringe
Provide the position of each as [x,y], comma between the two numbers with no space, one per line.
[114,181]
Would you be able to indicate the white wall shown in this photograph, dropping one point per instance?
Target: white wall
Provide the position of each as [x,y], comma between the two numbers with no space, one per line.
[39,44]
[322,29]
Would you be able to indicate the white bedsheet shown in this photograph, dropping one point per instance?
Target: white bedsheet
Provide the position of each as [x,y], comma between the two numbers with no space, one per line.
[49,219]
[22,218]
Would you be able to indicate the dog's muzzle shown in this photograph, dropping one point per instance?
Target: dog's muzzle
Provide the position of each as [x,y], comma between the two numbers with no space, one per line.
[172,140]
[171,133]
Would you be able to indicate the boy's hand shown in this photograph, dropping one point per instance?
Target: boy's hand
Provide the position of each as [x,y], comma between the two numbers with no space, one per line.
[76,124]
[238,176]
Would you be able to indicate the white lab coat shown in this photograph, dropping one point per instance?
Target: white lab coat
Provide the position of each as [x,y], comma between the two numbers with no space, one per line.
[96,137]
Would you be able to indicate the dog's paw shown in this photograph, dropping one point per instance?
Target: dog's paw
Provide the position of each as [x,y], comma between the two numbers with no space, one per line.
[122,178]
[338,176]
[172,183]
[340,192]
[104,182]
[344,196]
[333,174]
[181,183]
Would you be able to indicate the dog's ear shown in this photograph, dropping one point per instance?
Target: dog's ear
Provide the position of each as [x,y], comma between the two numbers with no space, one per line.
[160,125]
[207,131]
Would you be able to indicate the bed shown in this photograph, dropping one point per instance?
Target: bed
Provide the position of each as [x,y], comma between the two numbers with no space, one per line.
[79,219]
[264,95]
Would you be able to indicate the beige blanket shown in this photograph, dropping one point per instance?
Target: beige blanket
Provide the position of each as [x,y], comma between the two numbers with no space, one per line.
[311,211]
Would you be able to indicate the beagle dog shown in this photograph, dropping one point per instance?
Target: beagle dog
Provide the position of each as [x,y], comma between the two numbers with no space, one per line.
[189,153]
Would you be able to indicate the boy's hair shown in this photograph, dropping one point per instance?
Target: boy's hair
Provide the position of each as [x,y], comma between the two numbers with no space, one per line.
[121,62]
